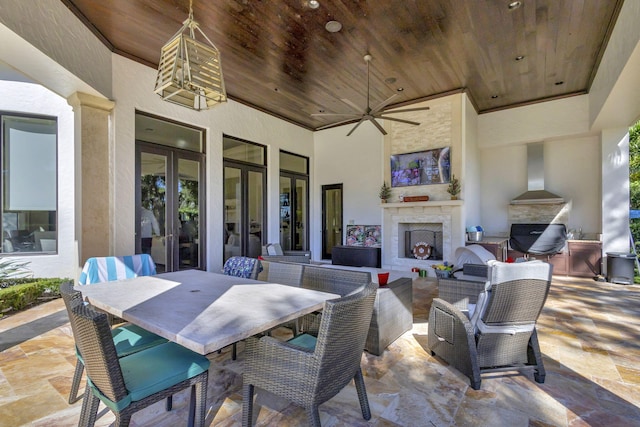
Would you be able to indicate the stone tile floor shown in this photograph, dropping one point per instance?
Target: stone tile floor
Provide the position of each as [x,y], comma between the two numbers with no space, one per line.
[589,333]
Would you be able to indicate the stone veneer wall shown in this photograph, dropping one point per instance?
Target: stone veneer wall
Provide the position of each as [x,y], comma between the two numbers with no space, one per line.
[539,214]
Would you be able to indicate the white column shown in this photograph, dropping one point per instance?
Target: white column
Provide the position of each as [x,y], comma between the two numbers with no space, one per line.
[615,190]
[93,176]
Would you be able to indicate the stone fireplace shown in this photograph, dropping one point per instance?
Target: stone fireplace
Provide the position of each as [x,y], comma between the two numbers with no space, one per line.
[437,223]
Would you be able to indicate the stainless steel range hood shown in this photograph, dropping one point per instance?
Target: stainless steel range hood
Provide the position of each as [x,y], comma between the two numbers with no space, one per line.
[536,193]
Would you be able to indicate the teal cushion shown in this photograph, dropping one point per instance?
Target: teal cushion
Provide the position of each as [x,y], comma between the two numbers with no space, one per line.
[130,339]
[306,341]
[160,367]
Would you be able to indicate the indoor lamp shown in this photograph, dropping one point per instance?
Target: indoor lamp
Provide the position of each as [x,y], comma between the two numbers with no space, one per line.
[190,72]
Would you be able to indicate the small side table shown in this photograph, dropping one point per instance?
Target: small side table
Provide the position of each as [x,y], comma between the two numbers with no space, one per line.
[392,315]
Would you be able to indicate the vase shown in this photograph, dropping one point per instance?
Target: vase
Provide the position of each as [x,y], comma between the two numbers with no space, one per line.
[454,197]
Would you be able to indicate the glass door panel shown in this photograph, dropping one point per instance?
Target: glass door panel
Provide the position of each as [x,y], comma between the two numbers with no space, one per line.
[255,198]
[301,215]
[285,213]
[233,212]
[331,218]
[152,209]
[188,214]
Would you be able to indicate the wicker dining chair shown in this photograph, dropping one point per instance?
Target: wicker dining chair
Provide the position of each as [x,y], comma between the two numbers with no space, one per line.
[285,273]
[310,370]
[126,385]
[247,268]
[499,334]
[128,338]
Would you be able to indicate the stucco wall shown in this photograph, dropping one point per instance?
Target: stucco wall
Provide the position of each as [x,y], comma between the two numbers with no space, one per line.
[34,99]
[232,119]
[355,161]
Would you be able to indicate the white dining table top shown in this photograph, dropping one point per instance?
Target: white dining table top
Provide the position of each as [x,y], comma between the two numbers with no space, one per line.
[200,310]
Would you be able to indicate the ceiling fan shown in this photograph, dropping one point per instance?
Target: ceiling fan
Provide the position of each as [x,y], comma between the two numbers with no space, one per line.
[370,114]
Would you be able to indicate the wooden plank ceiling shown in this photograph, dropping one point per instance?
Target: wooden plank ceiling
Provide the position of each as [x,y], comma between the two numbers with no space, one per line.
[277,55]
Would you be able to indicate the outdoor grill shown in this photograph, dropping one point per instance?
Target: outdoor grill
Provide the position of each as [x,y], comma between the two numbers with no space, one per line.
[538,239]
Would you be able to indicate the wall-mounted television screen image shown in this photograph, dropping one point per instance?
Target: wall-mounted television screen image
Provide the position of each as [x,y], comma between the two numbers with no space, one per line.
[421,168]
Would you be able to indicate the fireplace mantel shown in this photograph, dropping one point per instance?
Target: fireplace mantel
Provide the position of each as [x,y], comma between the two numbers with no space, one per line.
[423,204]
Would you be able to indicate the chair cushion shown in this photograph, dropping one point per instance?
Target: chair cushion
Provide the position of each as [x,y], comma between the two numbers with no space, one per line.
[241,267]
[306,341]
[130,339]
[150,371]
[107,269]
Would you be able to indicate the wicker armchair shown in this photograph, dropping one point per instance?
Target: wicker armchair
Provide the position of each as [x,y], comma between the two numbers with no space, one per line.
[335,281]
[127,338]
[500,333]
[126,385]
[308,371]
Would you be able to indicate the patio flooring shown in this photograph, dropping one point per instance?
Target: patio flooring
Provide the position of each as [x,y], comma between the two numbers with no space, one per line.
[589,334]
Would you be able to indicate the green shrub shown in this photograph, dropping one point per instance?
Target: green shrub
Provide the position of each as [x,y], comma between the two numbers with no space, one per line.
[17,294]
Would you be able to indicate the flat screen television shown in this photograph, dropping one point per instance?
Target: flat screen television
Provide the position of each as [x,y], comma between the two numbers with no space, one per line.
[421,168]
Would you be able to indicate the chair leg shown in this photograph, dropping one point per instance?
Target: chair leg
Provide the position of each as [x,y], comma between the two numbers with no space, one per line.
[169,404]
[314,416]
[534,356]
[234,351]
[362,395]
[75,383]
[89,408]
[200,407]
[247,405]
[122,419]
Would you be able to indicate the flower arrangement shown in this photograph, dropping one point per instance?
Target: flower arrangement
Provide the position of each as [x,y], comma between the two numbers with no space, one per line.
[443,271]
[454,187]
[385,192]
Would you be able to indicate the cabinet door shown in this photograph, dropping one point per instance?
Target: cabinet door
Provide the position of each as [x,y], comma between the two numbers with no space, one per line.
[559,262]
[585,259]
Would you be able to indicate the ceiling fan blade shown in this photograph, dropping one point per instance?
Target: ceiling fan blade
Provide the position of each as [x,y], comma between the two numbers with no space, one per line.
[346,101]
[356,126]
[407,110]
[354,115]
[376,124]
[342,122]
[393,119]
[384,103]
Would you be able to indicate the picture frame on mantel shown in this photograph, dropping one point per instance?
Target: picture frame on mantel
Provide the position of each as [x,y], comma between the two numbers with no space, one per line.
[421,167]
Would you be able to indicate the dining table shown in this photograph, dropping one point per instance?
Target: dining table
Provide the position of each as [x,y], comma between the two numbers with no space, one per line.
[203,311]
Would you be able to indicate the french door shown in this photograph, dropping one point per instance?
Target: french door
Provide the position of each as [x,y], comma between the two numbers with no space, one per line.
[331,218]
[294,217]
[244,204]
[169,214]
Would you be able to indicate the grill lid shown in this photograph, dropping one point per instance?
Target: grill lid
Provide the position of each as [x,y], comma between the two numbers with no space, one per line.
[538,239]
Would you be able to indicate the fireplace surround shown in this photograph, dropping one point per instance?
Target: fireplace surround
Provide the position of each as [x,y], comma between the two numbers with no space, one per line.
[437,221]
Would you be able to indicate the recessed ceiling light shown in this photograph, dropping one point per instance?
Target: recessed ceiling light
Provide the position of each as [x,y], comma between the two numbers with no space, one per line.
[321,111]
[494,96]
[314,4]
[400,89]
[559,83]
[519,57]
[333,26]
[514,5]
[390,80]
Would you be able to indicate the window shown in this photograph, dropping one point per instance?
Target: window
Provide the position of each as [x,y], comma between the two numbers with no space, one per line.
[29,184]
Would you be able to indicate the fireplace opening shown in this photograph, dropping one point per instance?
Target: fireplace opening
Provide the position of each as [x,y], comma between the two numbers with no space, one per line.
[420,234]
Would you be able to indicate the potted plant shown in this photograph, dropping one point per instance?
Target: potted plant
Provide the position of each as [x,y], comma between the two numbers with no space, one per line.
[454,187]
[385,192]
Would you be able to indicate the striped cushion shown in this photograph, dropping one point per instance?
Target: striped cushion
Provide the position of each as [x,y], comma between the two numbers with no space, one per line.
[107,269]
